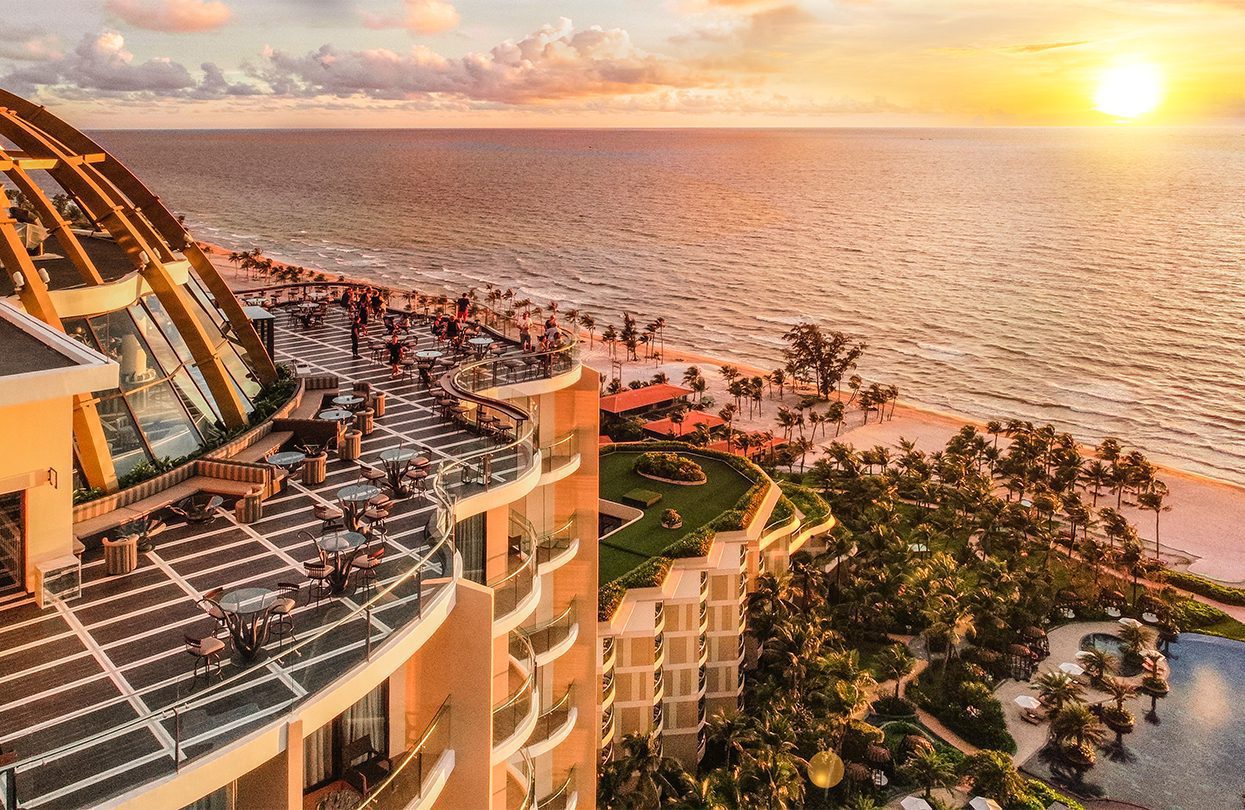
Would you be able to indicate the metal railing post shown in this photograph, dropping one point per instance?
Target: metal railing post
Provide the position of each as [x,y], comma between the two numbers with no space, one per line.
[177,739]
[369,632]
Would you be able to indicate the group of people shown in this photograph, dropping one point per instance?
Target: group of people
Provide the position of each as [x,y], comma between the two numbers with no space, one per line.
[550,337]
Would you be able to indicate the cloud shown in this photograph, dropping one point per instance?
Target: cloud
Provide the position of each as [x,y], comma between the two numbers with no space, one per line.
[418,17]
[554,62]
[25,45]
[174,16]
[101,64]
[1039,47]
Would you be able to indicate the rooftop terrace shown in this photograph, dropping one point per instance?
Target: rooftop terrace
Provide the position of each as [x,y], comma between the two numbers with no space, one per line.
[95,694]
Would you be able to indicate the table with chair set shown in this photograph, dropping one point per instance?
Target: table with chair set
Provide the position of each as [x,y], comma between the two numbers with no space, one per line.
[398,464]
[350,402]
[249,615]
[335,415]
[354,502]
[338,552]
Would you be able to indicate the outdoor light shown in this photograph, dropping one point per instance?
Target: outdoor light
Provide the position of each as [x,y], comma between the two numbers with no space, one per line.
[43,274]
[19,281]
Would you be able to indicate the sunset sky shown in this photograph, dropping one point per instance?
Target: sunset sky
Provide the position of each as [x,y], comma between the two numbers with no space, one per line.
[584,63]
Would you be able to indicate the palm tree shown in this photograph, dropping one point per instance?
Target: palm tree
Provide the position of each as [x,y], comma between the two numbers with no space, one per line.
[727,414]
[1094,475]
[1152,500]
[689,374]
[772,781]
[1058,689]
[1078,730]
[836,413]
[589,323]
[994,776]
[896,662]
[1098,663]
[929,769]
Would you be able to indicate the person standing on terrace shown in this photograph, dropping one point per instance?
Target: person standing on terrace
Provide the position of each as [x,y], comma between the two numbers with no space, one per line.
[347,299]
[356,329]
[525,331]
[464,307]
[395,347]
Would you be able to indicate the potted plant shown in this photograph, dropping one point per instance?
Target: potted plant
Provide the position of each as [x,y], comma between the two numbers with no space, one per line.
[142,530]
[671,519]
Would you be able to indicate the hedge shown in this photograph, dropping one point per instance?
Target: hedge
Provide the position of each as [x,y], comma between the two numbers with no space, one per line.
[813,506]
[648,574]
[1205,587]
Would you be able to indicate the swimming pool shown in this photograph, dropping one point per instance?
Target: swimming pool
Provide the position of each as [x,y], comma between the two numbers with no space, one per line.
[1112,644]
[1191,754]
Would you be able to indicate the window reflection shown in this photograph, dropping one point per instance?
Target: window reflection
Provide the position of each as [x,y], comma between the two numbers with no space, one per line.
[119,339]
[164,422]
[122,434]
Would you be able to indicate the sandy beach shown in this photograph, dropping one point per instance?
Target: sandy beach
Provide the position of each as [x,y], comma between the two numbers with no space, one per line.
[1201,532]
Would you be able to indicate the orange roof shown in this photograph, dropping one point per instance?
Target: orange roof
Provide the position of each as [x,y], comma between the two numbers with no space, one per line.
[646,397]
[668,427]
[603,440]
[753,449]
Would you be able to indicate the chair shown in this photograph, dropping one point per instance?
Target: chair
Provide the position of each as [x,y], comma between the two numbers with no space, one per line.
[206,652]
[282,610]
[317,572]
[369,773]
[329,515]
[371,474]
[208,604]
[366,565]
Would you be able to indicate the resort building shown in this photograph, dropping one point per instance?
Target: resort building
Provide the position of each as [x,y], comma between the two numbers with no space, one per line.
[672,630]
[236,577]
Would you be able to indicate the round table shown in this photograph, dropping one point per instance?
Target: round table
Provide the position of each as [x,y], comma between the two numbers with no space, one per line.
[354,500]
[481,343]
[307,305]
[287,460]
[397,454]
[246,616]
[348,400]
[335,415]
[428,354]
[342,546]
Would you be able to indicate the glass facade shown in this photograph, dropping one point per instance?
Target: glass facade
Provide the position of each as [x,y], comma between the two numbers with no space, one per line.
[163,407]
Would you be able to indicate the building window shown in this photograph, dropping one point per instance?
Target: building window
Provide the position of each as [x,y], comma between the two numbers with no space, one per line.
[326,750]
[12,542]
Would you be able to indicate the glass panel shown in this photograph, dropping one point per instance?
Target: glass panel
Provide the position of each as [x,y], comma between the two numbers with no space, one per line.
[119,339]
[241,374]
[202,409]
[122,434]
[162,320]
[164,422]
[155,340]
[12,541]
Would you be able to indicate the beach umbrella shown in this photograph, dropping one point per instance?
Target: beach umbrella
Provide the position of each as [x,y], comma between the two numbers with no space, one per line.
[1072,669]
[878,755]
[918,548]
[982,803]
[1129,621]
[1027,702]
[915,803]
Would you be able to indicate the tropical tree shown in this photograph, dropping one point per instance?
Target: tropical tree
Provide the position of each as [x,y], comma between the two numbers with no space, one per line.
[896,662]
[929,769]
[1152,500]
[1057,689]
[993,775]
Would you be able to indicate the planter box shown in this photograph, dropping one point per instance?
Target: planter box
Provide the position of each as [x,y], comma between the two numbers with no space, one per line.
[641,498]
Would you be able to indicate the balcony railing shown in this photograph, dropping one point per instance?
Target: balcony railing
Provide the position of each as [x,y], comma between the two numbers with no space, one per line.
[519,706]
[513,587]
[609,653]
[609,687]
[554,632]
[557,540]
[561,798]
[559,453]
[528,367]
[405,783]
[553,719]
[521,792]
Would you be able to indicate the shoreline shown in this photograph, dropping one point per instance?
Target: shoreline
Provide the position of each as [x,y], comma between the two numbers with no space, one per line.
[1197,535]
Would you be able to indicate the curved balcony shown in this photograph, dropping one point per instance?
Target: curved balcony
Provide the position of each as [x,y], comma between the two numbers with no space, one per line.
[515,718]
[555,637]
[521,783]
[565,797]
[557,547]
[419,775]
[554,724]
[608,728]
[526,374]
[517,591]
[609,690]
[559,458]
[609,654]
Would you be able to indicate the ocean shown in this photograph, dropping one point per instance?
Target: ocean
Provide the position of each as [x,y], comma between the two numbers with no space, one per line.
[1092,278]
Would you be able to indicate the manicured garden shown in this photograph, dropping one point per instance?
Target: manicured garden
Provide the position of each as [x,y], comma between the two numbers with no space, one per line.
[697,506]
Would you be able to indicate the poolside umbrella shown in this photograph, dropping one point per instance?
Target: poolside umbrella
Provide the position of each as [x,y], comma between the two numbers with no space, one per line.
[877,755]
[982,803]
[1028,702]
[858,772]
[1112,597]
[915,803]
[1129,621]
[1072,669]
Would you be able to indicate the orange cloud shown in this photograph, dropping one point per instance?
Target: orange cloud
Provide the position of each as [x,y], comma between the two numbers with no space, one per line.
[175,16]
[418,17]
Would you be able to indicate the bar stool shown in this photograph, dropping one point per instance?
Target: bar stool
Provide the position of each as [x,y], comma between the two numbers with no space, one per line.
[372,475]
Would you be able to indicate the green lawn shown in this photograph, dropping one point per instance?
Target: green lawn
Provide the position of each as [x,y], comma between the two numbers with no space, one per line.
[645,538]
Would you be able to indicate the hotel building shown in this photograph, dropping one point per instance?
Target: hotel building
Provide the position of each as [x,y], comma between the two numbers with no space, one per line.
[444,656]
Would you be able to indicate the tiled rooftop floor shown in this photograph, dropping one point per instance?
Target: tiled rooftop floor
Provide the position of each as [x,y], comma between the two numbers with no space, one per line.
[103,663]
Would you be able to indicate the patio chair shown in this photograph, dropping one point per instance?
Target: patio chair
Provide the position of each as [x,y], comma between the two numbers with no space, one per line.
[317,572]
[372,771]
[371,474]
[208,603]
[282,610]
[206,652]
[366,565]
[329,516]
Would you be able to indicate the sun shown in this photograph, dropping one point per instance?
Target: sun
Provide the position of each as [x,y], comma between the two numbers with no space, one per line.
[1129,90]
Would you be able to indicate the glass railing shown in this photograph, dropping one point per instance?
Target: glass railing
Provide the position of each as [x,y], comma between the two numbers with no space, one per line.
[521,793]
[559,539]
[560,799]
[405,782]
[510,369]
[163,740]
[553,719]
[521,703]
[549,635]
[516,584]
[561,452]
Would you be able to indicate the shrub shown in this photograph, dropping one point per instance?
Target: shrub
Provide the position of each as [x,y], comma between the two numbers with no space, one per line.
[692,544]
[671,519]
[670,466]
[1205,587]
[968,707]
[1192,614]
[891,706]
